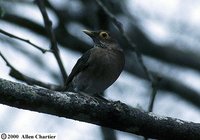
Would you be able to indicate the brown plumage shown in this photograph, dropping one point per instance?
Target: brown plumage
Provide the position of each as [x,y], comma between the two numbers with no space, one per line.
[99,67]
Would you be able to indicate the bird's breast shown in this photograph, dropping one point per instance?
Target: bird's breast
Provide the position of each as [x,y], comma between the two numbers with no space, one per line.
[107,64]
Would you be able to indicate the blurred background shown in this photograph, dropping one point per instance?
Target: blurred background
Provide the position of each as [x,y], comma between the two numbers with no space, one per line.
[166,32]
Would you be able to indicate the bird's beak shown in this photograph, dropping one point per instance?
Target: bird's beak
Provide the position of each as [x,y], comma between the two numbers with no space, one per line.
[89,33]
[93,35]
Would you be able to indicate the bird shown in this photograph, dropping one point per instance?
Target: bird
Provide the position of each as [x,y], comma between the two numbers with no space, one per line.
[99,67]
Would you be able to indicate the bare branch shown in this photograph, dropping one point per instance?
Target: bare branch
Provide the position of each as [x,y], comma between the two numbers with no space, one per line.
[31,81]
[25,40]
[110,114]
[166,84]
[54,47]
[132,46]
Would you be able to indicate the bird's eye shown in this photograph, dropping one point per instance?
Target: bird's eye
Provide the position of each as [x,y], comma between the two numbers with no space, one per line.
[104,35]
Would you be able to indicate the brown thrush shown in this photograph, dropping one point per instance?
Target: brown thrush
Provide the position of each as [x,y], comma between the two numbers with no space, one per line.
[99,67]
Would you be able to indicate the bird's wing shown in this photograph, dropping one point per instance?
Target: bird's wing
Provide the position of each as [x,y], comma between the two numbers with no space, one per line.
[80,65]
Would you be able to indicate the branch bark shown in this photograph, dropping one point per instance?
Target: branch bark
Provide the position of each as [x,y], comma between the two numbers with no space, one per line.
[110,114]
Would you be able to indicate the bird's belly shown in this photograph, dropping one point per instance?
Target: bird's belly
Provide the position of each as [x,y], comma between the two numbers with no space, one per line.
[97,78]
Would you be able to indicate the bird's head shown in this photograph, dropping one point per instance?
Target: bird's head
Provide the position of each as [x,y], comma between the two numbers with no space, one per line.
[101,38]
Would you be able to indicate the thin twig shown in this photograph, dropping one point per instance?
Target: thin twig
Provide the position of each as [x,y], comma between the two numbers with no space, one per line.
[153,95]
[54,47]
[155,85]
[25,40]
[132,45]
[20,76]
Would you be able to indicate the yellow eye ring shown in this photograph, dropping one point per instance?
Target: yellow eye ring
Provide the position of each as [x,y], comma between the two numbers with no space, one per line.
[104,35]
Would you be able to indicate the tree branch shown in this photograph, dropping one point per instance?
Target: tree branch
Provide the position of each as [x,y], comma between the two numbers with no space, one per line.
[31,81]
[115,115]
[25,40]
[166,84]
[54,47]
